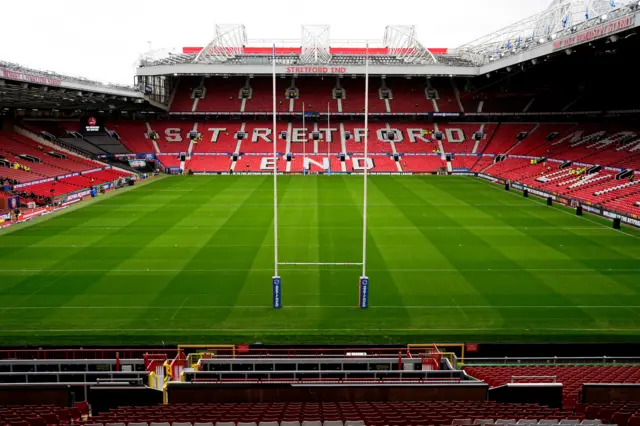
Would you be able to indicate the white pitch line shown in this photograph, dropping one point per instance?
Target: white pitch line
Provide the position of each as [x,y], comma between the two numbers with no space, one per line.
[152,270]
[336,227]
[269,307]
[298,330]
[178,310]
[311,204]
[36,291]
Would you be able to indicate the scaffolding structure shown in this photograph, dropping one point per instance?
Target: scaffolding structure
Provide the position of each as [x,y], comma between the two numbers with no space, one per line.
[561,18]
[402,43]
[228,44]
[315,45]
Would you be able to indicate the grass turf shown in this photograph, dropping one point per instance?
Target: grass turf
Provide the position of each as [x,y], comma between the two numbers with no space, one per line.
[190,260]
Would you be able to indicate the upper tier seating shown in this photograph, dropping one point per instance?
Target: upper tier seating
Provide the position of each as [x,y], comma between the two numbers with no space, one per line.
[183,99]
[354,95]
[316,94]
[262,95]
[222,95]
[408,95]
[446,101]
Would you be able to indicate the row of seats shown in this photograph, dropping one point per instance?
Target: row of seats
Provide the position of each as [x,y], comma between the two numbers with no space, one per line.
[12,145]
[572,377]
[224,95]
[457,138]
[375,413]
[590,144]
[598,188]
[41,415]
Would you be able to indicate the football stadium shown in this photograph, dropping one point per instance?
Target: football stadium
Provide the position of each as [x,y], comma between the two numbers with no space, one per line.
[328,232]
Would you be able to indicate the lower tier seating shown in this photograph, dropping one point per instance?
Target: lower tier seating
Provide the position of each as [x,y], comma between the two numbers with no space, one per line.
[347,413]
[572,377]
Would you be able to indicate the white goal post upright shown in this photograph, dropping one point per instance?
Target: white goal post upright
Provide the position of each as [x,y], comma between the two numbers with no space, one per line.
[363,293]
[304,144]
[327,136]
[276,282]
[363,290]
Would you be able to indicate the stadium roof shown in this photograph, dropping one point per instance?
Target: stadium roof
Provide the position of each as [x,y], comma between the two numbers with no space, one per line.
[22,87]
[564,25]
[561,18]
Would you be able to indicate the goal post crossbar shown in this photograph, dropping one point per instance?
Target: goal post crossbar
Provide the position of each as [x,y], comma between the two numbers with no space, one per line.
[322,263]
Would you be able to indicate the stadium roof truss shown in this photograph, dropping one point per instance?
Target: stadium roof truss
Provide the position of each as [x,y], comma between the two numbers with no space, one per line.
[228,44]
[315,45]
[563,17]
[402,42]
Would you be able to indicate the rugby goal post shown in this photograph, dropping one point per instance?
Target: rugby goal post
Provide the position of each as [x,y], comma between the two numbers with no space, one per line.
[276,280]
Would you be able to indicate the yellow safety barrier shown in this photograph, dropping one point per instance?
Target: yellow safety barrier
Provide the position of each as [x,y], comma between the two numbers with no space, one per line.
[153,380]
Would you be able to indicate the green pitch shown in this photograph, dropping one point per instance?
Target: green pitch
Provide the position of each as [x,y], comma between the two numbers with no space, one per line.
[190,260]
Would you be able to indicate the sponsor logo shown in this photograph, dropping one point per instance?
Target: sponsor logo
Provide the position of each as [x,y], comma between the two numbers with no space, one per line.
[541,193]
[487,177]
[591,209]
[364,292]
[13,75]
[277,288]
[92,121]
[77,195]
[623,219]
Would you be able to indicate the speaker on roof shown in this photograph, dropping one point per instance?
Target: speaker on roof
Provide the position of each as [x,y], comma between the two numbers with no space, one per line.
[283,135]
[315,136]
[478,136]
[438,135]
[347,136]
[241,135]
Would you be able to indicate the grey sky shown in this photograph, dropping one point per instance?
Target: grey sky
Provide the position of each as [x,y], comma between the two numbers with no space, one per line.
[103,42]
